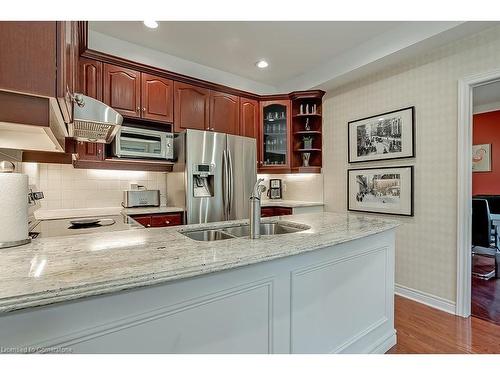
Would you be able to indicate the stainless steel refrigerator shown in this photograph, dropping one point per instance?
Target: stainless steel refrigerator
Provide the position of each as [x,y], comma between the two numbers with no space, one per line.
[213,177]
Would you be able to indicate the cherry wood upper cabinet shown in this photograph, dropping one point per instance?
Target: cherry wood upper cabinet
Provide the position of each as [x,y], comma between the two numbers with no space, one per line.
[224,112]
[90,151]
[249,118]
[90,78]
[191,107]
[28,57]
[122,90]
[67,66]
[157,97]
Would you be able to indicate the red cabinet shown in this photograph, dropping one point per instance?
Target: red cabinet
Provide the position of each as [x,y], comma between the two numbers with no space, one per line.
[157,98]
[224,112]
[275,211]
[249,118]
[275,136]
[90,151]
[122,90]
[160,220]
[28,62]
[90,78]
[191,107]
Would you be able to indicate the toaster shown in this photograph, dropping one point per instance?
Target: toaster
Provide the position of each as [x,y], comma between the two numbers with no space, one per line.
[141,198]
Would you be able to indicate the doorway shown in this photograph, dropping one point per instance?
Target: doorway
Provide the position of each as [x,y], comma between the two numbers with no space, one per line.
[467,88]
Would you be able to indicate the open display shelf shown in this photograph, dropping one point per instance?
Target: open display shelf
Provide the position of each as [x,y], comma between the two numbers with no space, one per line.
[307,125]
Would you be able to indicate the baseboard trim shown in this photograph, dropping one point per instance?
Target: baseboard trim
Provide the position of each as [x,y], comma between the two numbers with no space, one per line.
[384,345]
[426,298]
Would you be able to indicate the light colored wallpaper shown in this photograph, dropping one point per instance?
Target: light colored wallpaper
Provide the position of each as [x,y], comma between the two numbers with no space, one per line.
[426,244]
[299,187]
[67,187]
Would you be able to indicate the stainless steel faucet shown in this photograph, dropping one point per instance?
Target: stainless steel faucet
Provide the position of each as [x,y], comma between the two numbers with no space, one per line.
[258,189]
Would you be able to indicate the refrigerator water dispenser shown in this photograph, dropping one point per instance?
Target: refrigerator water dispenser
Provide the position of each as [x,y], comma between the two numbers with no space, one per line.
[203,181]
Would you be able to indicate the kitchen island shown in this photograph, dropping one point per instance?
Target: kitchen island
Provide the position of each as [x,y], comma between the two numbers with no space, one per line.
[327,288]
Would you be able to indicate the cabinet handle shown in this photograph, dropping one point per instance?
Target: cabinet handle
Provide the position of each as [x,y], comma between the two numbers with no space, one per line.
[138,109]
[143,109]
[148,225]
[167,221]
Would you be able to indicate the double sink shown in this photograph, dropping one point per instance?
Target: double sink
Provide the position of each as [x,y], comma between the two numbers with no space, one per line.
[243,231]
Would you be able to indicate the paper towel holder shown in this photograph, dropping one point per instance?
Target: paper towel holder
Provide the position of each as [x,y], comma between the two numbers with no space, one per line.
[9,167]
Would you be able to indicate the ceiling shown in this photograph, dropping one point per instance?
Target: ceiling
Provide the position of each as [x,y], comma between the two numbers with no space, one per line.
[487,97]
[291,48]
[301,54]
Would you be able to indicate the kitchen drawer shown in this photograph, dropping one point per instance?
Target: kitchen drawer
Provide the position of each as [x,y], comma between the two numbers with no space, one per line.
[275,211]
[166,220]
[144,220]
[267,211]
[280,211]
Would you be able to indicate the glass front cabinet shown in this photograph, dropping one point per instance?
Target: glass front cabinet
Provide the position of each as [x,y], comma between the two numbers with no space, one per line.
[275,135]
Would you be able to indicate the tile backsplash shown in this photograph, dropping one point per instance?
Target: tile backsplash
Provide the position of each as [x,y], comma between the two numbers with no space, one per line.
[299,186]
[66,187]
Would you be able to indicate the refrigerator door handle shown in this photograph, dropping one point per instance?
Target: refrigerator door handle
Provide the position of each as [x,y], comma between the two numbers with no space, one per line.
[225,178]
[231,182]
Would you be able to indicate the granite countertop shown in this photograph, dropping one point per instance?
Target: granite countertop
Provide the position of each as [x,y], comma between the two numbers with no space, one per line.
[289,203]
[56,269]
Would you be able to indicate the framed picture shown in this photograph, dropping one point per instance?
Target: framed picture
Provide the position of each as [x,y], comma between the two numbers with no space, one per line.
[481,158]
[387,190]
[389,135]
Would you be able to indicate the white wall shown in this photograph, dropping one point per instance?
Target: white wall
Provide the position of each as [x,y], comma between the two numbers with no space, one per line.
[426,244]
[134,52]
[66,187]
[299,187]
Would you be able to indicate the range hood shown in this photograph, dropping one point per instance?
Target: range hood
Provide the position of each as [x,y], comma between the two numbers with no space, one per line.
[93,121]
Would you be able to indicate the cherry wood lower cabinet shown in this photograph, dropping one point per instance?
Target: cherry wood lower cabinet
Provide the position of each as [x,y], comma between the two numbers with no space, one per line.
[191,107]
[122,90]
[160,220]
[275,211]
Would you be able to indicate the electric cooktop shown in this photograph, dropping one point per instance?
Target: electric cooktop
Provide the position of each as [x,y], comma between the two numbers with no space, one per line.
[71,226]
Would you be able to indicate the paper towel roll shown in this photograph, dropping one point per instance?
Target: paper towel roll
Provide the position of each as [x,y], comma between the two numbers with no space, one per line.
[13,207]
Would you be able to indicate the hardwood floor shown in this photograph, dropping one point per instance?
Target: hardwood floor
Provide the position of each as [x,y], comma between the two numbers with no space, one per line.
[423,329]
[485,302]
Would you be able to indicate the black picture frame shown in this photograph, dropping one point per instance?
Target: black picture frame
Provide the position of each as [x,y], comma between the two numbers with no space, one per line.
[412,191]
[412,127]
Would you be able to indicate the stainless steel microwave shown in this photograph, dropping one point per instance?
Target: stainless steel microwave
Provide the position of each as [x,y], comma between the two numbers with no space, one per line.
[143,143]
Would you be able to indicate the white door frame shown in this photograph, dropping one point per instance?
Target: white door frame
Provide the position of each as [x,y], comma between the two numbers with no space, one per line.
[464,186]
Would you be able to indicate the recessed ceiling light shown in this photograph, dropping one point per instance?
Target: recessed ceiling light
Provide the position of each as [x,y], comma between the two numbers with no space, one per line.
[151,24]
[262,64]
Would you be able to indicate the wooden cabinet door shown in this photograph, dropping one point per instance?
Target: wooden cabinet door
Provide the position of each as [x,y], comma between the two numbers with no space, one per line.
[90,78]
[28,57]
[67,66]
[157,98]
[122,90]
[275,136]
[224,112]
[90,151]
[249,118]
[191,107]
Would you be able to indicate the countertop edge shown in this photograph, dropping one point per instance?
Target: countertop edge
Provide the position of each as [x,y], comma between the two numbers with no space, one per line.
[68,294]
